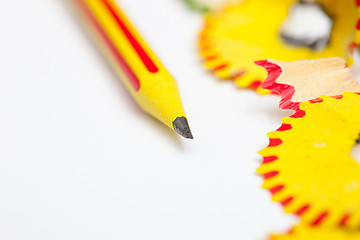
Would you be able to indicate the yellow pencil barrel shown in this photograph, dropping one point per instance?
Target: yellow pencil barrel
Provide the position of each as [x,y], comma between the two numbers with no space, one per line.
[143,74]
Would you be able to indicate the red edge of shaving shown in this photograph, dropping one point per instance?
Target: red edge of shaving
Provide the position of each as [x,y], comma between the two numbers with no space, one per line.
[285,91]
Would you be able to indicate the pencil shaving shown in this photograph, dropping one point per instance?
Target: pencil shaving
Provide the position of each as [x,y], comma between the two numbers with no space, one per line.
[234,38]
[301,81]
[308,167]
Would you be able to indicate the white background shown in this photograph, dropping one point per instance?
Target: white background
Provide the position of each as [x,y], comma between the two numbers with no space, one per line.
[79,160]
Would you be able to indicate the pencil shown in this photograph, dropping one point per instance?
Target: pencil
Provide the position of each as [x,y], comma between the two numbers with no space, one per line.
[143,74]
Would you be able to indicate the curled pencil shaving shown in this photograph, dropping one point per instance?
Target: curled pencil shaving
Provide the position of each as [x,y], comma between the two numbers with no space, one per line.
[234,38]
[308,167]
[300,81]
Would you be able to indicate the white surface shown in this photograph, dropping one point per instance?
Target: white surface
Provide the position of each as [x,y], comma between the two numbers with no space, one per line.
[79,160]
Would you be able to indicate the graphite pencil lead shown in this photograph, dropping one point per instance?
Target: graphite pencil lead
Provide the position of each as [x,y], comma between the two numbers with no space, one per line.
[181,126]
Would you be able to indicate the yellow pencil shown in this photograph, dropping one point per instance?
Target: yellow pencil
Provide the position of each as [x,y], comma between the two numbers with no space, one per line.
[143,74]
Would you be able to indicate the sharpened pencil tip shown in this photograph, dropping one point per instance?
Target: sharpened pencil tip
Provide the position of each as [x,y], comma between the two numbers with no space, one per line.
[181,126]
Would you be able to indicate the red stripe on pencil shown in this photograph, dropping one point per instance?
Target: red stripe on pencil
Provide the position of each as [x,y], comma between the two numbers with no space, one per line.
[150,65]
[131,76]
